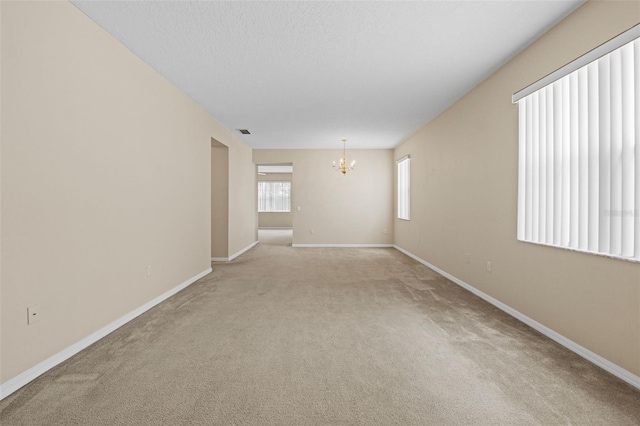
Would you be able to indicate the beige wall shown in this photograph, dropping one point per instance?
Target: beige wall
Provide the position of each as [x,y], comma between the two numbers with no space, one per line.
[105,170]
[243,199]
[279,219]
[356,208]
[463,200]
[219,200]
[275,220]
[1,183]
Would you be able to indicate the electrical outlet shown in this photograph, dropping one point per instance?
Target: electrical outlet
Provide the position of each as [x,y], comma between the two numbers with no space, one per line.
[33,314]
[312,231]
[148,271]
[467,258]
[489,267]
[385,230]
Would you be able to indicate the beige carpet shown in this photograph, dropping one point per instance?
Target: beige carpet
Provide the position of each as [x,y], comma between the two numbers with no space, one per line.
[300,336]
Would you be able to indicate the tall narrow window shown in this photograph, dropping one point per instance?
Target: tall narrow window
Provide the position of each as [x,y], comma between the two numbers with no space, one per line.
[274,196]
[579,148]
[404,188]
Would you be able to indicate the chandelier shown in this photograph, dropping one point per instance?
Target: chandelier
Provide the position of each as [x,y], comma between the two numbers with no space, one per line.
[344,167]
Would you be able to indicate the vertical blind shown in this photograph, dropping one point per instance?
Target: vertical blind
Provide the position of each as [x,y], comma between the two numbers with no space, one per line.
[579,158]
[274,196]
[404,205]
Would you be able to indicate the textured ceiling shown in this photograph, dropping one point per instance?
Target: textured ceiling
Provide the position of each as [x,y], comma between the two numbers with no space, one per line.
[306,74]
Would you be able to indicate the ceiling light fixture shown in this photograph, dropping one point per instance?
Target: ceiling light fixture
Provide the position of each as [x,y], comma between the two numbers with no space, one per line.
[344,167]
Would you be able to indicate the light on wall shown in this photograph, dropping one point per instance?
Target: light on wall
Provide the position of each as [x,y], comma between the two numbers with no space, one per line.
[344,167]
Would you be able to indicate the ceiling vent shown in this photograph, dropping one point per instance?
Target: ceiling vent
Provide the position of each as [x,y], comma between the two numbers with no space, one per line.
[244,131]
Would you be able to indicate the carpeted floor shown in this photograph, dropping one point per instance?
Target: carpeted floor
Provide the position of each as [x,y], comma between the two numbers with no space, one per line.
[302,336]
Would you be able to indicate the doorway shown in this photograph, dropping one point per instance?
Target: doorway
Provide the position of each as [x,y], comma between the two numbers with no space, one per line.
[275,204]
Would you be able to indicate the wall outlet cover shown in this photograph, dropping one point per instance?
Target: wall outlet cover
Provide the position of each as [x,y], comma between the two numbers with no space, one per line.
[33,314]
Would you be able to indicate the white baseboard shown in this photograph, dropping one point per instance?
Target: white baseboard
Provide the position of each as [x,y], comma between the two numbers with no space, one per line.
[601,362]
[22,379]
[233,256]
[345,245]
[247,248]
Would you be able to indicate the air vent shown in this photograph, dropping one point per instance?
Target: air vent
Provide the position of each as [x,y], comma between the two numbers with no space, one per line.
[244,131]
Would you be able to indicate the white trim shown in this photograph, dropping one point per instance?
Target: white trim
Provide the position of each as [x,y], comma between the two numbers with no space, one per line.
[345,245]
[577,250]
[592,55]
[233,256]
[264,168]
[601,362]
[277,228]
[12,385]
[403,158]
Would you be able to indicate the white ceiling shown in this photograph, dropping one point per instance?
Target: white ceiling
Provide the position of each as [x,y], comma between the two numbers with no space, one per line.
[306,74]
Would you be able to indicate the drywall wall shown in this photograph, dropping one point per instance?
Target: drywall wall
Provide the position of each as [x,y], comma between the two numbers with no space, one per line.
[219,200]
[105,170]
[243,199]
[272,220]
[0,196]
[355,208]
[275,219]
[463,201]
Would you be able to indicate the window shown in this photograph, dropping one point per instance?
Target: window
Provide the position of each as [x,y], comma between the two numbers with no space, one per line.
[274,196]
[404,182]
[579,153]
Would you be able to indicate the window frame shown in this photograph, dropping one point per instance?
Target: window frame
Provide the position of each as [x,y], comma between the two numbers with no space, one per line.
[403,188]
[272,182]
[578,177]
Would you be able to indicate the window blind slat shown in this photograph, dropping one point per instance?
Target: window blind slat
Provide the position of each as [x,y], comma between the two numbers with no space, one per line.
[574,155]
[604,85]
[557,163]
[538,118]
[594,161]
[565,195]
[542,175]
[583,154]
[550,189]
[636,115]
[529,170]
[616,152]
[522,166]
[627,169]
